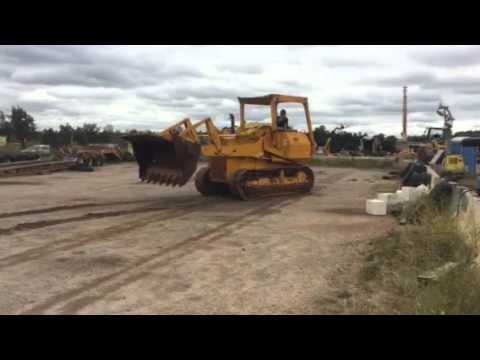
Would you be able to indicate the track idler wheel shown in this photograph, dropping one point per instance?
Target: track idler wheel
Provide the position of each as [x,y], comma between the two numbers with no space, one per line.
[206,187]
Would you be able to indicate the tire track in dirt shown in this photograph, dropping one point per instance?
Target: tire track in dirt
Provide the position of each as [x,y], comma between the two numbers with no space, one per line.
[331,179]
[103,234]
[86,217]
[156,260]
[38,252]
[72,207]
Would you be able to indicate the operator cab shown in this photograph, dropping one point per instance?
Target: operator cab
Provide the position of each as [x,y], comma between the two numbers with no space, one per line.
[435,134]
[266,108]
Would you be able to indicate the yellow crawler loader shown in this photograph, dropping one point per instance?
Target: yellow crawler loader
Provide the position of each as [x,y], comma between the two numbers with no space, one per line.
[253,160]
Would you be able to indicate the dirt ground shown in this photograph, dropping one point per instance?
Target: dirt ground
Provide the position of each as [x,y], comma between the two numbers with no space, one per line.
[104,243]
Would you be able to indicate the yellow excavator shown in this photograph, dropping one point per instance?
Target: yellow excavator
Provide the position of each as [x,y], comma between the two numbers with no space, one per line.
[253,160]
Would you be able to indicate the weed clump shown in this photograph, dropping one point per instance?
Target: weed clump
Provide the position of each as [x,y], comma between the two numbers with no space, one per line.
[434,239]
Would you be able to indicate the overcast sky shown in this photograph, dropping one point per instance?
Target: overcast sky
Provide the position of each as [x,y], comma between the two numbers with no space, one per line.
[150,87]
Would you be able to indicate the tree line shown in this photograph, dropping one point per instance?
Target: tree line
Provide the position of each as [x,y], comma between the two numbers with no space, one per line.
[19,126]
[82,135]
[351,141]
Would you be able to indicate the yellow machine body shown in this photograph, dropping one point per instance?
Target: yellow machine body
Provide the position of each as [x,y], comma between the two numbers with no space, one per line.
[248,150]
[454,164]
[256,159]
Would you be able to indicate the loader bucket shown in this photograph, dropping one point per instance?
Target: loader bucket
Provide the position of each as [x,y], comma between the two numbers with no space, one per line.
[163,161]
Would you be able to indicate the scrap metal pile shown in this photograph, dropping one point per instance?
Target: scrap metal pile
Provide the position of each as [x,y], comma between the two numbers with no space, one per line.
[34,167]
[79,158]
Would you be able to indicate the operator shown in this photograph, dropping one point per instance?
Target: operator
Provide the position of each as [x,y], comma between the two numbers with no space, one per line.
[282,120]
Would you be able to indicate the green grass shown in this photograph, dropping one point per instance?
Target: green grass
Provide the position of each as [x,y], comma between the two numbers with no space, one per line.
[397,260]
[361,163]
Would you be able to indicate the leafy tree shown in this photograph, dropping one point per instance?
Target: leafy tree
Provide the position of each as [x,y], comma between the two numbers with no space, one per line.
[23,125]
[390,144]
[66,135]
[91,129]
[109,129]
[321,135]
[80,137]
[86,134]
[5,126]
[348,141]
[50,137]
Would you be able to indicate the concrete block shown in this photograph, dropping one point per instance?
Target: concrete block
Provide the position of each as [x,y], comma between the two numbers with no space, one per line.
[423,189]
[376,207]
[387,197]
[401,196]
[418,192]
[408,193]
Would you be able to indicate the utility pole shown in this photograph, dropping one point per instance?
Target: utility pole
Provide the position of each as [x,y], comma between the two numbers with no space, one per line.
[405,113]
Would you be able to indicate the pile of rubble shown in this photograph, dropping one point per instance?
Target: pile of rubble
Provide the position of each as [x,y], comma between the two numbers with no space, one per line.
[410,202]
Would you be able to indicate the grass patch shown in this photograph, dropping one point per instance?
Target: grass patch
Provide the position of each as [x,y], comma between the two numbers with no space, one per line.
[397,260]
[354,162]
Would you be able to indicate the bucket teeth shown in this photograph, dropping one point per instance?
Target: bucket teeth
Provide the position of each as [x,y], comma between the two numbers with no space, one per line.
[170,179]
[176,181]
[167,177]
[162,179]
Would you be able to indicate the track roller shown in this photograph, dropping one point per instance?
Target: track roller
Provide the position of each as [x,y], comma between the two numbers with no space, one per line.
[250,184]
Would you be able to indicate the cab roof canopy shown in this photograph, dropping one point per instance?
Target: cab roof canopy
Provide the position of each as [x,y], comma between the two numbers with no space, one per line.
[272,99]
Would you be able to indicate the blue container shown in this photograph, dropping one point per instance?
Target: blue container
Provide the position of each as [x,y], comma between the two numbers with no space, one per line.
[468,148]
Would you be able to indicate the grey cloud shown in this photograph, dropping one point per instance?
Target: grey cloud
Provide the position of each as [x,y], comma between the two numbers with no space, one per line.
[37,107]
[187,95]
[458,84]
[429,82]
[243,69]
[344,62]
[175,105]
[452,57]
[419,78]
[43,54]
[374,106]
[204,92]
[97,93]
[375,99]
[300,47]
[98,75]
[293,85]
[85,80]
[422,121]
[92,66]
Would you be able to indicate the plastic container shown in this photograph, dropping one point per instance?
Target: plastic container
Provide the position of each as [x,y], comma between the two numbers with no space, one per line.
[376,207]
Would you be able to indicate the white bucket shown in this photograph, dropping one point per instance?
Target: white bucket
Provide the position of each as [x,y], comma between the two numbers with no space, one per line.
[376,207]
